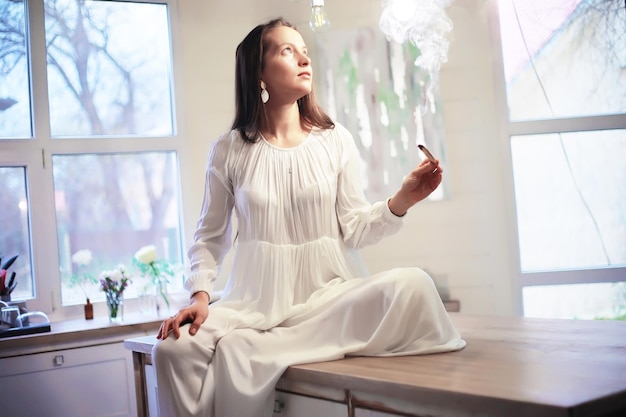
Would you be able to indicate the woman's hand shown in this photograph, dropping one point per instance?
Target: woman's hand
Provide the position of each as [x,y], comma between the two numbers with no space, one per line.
[196,313]
[418,185]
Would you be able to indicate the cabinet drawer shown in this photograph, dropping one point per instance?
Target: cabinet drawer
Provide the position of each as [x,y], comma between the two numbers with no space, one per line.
[93,381]
[293,405]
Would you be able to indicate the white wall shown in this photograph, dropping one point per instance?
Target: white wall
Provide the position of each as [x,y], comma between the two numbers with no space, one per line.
[467,240]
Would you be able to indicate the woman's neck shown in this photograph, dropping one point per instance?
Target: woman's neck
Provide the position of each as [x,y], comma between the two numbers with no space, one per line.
[285,128]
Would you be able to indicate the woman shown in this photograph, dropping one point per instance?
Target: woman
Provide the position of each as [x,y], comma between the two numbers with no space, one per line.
[298,291]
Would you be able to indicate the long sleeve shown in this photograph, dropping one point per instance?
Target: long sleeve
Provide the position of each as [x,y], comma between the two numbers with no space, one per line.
[361,223]
[212,239]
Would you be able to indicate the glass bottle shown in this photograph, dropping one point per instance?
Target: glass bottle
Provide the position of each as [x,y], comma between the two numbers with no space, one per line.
[88,310]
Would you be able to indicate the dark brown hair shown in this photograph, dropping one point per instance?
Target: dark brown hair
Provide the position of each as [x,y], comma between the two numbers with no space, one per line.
[250,112]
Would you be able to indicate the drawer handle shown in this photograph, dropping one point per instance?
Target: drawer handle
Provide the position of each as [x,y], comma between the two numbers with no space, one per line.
[279,406]
[58,360]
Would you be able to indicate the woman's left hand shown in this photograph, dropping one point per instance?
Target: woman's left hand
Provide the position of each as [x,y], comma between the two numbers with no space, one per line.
[418,185]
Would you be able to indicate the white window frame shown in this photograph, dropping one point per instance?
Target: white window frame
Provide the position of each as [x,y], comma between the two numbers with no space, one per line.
[508,129]
[36,153]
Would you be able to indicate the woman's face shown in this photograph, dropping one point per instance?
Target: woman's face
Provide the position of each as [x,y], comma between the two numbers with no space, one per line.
[287,73]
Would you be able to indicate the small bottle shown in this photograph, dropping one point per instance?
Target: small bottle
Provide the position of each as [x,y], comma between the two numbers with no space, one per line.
[88,310]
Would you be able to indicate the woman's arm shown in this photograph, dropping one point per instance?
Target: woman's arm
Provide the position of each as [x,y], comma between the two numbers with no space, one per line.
[212,239]
[363,223]
[211,244]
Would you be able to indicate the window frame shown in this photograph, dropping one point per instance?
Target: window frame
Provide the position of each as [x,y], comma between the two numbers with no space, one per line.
[35,154]
[506,130]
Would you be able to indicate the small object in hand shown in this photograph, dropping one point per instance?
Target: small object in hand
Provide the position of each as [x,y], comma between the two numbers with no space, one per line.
[429,155]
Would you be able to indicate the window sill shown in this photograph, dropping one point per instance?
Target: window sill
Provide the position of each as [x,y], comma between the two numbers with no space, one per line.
[79,333]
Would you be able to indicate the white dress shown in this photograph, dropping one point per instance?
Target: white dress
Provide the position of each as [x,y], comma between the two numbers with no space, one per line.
[298,291]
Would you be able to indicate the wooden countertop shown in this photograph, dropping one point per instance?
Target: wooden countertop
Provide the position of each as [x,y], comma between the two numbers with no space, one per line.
[530,367]
[511,366]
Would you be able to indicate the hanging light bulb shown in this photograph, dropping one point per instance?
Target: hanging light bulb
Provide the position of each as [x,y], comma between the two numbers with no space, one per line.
[319,21]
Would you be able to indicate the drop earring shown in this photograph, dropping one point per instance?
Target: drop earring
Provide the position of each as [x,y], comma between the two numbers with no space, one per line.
[265,96]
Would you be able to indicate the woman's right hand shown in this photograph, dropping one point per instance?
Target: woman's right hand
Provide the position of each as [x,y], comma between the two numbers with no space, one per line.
[196,313]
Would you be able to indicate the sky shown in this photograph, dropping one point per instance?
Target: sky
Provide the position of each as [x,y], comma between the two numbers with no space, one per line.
[539,20]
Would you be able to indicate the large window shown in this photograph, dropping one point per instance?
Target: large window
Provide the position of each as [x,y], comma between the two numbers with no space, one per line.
[565,71]
[88,161]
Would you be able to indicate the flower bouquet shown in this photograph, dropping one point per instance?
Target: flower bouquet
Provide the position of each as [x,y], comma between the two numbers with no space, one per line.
[113,283]
[158,271]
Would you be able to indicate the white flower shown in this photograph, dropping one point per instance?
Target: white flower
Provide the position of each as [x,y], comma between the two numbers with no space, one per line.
[116,275]
[147,254]
[82,257]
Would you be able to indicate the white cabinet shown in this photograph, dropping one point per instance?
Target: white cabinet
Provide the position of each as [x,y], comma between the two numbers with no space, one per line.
[293,405]
[95,381]
[286,404]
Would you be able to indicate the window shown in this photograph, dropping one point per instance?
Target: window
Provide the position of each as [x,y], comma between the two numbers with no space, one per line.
[89,152]
[565,72]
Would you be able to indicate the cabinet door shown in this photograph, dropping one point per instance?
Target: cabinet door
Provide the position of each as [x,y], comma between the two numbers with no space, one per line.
[152,394]
[292,405]
[93,381]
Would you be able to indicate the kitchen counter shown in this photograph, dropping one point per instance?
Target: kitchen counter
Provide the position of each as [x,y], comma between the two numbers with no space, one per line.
[79,332]
[512,366]
[79,368]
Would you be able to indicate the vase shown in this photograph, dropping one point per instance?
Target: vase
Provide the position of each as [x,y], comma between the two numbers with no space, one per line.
[115,305]
[146,303]
[162,302]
